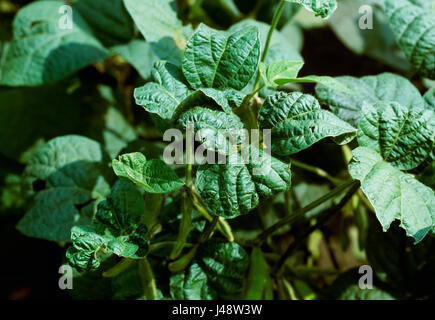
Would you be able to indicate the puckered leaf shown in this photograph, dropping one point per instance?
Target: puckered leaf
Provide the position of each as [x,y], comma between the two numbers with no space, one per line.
[69,175]
[217,59]
[414,30]
[191,285]
[217,272]
[234,188]
[402,136]
[213,127]
[157,19]
[166,92]
[42,52]
[371,89]
[322,8]
[394,194]
[280,47]
[227,99]
[297,122]
[155,176]
[116,229]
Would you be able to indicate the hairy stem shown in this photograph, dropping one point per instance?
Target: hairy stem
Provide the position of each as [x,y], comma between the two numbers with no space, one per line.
[299,215]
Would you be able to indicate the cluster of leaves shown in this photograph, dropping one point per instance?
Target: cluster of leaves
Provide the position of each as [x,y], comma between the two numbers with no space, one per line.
[132,221]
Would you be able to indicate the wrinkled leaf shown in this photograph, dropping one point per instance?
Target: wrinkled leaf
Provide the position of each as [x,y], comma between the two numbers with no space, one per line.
[402,136]
[217,59]
[297,122]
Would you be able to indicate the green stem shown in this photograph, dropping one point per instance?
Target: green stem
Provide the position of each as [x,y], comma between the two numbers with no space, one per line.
[273,25]
[118,268]
[318,171]
[329,213]
[184,229]
[208,231]
[299,215]
[148,280]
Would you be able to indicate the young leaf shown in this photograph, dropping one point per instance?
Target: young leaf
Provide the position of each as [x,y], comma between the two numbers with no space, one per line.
[277,72]
[217,59]
[166,92]
[371,89]
[394,194]
[402,136]
[154,175]
[69,175]
[234,188]
[157,19]
[297,122]
[42,52]
[414,29]
[322,8]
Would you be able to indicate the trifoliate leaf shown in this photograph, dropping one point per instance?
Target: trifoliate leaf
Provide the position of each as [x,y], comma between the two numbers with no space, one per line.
[155,176]
[69,176]
[234,188]
[402,136]
[371,89]
[217,59]
[165,93]
[43,52]
[297,122]
[394,194]
[414,30]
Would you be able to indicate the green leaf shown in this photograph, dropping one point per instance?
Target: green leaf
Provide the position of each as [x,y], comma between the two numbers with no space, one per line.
[166,92]
[297,122]
[109,20]
[226,265]
[157,19]
[258,277]
[23,108]
[87,249]
[429,98]
[280,48]
[69,175]
[227,99]
[191,285]
[277,72]
[116,229]
[393,194]
[414,29]
[42,52]
[371,89]
[154,175]
[322,8]
[234,188]
[218,59]
[402,136]
[212,127]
